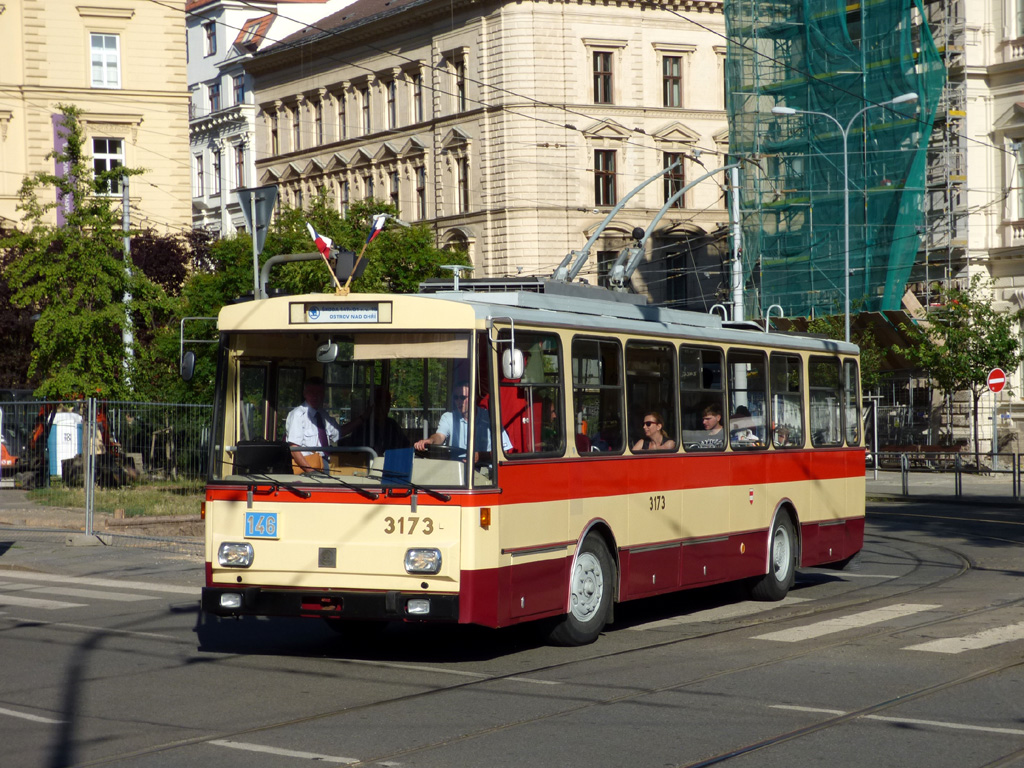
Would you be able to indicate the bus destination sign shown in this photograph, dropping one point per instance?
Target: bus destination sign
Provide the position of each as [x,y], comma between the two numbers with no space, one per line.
[342,313]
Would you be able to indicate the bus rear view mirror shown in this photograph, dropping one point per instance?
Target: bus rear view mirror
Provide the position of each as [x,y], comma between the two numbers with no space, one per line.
[512,363]
[188,365]
[327,353]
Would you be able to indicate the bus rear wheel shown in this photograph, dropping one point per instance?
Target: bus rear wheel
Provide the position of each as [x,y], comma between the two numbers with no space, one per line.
[775,584]
[591,585]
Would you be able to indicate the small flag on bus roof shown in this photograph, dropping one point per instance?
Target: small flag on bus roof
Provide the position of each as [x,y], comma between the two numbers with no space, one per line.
[323,242]
[378,225]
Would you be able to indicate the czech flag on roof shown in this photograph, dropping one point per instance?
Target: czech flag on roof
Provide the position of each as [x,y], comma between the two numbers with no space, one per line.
[323,242]
[377,226]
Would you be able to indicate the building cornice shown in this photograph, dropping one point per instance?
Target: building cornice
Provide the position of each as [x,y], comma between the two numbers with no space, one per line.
[238,114]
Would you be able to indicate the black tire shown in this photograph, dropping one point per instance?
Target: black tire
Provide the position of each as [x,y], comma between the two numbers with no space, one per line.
[591,586]
[782,559]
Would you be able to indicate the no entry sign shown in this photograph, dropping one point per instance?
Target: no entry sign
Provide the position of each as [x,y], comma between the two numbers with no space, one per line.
[996,380]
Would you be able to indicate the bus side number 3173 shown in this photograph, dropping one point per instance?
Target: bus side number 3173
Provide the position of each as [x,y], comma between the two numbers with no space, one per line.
[408,525]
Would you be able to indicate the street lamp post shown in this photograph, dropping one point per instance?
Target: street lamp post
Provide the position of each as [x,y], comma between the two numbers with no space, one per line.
[901,99]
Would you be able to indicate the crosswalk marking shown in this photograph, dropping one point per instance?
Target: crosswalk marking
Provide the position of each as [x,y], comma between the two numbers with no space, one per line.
[144,586]
[284,752]
[843,623]
[26,716]
[31,602]
[906,720]
[735,611]
[984,639]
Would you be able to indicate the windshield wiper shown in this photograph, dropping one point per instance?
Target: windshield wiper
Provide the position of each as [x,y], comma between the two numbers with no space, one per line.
[364,492]
[275,485]
[398,478]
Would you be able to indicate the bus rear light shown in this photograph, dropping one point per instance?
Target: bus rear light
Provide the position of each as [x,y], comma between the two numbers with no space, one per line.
[235,554]
[231,600]
[422,560]
[417,607]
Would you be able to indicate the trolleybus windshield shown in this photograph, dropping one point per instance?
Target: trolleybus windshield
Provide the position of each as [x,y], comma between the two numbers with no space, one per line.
[375,395]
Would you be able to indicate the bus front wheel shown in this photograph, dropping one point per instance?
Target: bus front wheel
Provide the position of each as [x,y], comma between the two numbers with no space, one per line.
[591,585]
[782,549]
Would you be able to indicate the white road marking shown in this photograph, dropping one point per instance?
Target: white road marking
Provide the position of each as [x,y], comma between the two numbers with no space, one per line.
[284,752]
[984,639]
[443,671]
[26,716]
[33,602]
[103,630]
[734,611]
[844,575]
[907,720]
[843,623]
[112,583]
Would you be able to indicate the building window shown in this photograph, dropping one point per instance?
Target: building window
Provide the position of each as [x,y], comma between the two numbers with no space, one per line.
[602,77]
[421,193]
[364,95]
[107,154]
[417,97]
[368,186]
[214,97]
[215,172]
[239,166]
[674,180]
[238,82]
[1020,176]
[672,81]
[344,196]
[296,129]
[605,260]
[299,198]
[319,123]
[393,192]
[463,181]
[460,86]
[342,127]
[105,55]
[210,32]
[392,106]
[275,142]
[604,177]
[200,185]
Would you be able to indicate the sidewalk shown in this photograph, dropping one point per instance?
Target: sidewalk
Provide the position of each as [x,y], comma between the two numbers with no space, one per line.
[940,488]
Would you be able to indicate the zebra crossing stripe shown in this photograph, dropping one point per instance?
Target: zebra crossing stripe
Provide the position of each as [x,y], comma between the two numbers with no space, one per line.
[843,623]
[31,602]
[984,639]
[143,586]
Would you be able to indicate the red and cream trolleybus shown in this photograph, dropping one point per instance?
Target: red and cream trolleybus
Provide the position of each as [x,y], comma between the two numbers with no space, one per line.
[499,457]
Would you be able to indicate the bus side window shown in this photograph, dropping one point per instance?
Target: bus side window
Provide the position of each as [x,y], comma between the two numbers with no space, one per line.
[851,400]
[826,405]
[748,399]
[787,400]
[597,396]
[701,388]
[531,406]
[650,387]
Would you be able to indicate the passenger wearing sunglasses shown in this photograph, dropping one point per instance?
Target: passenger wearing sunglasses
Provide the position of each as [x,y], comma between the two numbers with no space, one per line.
[453,427]
[655,437]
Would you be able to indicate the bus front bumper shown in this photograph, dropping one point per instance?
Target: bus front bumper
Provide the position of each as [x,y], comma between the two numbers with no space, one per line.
[390,606]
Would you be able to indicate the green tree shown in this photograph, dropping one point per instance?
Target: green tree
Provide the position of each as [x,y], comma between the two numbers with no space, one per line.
[74,276]
[871,355]
[963,339]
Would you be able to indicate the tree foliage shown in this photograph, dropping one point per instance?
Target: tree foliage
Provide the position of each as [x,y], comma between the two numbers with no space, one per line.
[963,340]
[871,355]
[74,277]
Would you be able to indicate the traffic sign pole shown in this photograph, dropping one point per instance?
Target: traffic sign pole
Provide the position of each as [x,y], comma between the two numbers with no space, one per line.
[996,381]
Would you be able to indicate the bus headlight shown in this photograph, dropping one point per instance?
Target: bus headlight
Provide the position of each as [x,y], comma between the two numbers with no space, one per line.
[235,555]
[422,560]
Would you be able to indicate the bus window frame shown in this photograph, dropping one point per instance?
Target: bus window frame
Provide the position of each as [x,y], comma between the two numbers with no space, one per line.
[801,393]
[834,362]
[559,395]
[858,405]
[761,444]
[621,387]
[705,393]
[670,420]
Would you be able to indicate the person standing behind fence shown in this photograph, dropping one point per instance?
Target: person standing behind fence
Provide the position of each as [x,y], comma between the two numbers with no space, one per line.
[309,425]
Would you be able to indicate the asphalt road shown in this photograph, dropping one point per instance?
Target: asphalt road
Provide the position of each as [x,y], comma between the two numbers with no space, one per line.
[912,658]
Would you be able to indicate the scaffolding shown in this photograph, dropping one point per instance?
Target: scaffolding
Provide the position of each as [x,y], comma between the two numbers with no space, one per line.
[833,65]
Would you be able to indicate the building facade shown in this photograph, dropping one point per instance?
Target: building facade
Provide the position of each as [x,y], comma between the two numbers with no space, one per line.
[221,36]
[122,63]
[513,129]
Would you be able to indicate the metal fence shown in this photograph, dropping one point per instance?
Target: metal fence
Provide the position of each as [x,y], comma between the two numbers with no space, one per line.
[123,464]
[949,474]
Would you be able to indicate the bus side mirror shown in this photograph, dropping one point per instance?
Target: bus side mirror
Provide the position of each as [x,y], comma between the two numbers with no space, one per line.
[512,364]
[327,353]
[188,365]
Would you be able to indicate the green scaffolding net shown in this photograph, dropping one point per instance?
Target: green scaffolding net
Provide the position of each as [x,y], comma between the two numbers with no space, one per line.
[843,62]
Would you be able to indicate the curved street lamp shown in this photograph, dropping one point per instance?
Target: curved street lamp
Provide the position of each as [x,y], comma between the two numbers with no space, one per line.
[845,131]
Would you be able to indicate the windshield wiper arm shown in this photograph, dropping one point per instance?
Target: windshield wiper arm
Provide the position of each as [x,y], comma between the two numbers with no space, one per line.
[397,478]
[364,492]
[275,485]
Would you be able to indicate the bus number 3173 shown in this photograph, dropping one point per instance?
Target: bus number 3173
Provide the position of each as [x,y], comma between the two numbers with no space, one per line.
[408,525]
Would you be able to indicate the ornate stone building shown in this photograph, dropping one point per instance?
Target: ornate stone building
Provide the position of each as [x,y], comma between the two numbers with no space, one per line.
[513,128]
[122,63]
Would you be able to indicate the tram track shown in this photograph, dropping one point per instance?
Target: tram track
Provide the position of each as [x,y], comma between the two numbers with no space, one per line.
[960,562]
